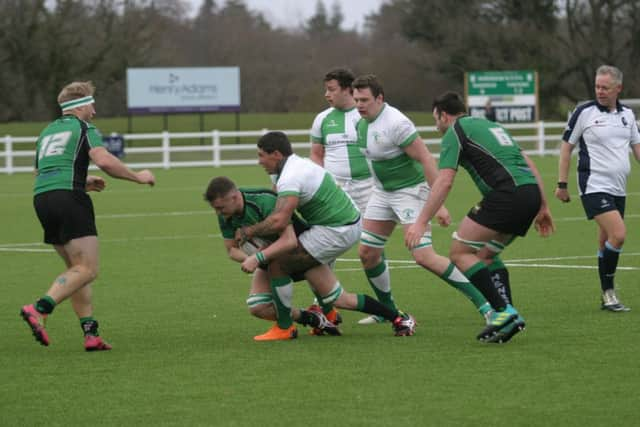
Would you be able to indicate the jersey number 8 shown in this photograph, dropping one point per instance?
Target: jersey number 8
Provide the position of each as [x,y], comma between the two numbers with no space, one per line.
[501,136]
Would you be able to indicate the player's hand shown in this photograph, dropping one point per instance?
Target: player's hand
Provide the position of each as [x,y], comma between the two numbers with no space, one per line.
[250,264]
[562,194]
[544,223]
[146,177]
[241,236]
[95,183]
[443,217]
[413,235]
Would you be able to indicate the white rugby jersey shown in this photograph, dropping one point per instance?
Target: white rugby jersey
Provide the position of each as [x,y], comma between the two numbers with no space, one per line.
[604,138]
[382,141]
[321,201]
[335,129]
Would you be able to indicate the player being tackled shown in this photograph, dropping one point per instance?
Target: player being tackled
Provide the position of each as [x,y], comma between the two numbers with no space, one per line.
[335,226]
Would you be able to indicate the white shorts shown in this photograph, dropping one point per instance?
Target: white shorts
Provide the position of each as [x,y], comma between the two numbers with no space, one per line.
[326,244]
[401,206]
[358,190]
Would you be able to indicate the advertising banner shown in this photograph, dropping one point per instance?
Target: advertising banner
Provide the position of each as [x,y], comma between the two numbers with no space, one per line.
[183,89]
[504,96]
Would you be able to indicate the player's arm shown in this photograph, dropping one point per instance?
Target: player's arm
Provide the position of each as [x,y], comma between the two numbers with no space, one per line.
[317,153]
[635,140]
[115,168]
[95,183]
[418,151]
[536,173]
[285,243]
[563,171]
[234,252]
[275,223]
[439,192]
[636,151]
[544,221]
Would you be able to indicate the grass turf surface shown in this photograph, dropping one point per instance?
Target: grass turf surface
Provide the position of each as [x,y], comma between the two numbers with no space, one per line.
[173,306]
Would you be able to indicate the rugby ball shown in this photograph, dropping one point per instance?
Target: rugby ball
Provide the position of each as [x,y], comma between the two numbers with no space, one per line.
[251,246]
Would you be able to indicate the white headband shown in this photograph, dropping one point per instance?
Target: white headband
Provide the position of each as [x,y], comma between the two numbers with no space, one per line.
[79,102]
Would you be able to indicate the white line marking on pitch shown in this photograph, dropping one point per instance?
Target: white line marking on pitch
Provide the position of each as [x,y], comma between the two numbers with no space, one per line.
[150,214]
[568,257]
[578,267]
[17,247]
[10,249]
[195,189]
[525,262]
[564,266]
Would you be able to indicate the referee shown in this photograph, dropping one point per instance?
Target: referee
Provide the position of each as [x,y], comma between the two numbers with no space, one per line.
[604,129]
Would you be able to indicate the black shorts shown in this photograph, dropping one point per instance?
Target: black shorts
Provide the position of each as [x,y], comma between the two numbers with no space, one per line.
[65,215]
[598,203]
[508,212]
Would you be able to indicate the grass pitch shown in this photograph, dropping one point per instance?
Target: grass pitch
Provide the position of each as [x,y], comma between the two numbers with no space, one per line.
[173,306]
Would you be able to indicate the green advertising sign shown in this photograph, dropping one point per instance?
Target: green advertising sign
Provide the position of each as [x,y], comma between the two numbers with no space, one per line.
[522,82]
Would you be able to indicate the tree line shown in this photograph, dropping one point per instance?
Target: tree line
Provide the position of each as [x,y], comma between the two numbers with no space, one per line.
[418,48]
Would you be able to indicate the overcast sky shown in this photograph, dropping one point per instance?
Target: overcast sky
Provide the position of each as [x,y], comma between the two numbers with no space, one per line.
[293,13]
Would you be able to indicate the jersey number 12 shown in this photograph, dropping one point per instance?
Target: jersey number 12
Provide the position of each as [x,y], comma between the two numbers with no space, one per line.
[54,145]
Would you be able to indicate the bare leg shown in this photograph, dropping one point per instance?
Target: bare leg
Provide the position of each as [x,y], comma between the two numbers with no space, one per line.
[81,257]
[81,301]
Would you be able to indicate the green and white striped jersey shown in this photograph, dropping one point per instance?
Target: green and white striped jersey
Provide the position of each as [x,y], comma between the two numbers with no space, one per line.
[335,129]
[321,201]
[382,141]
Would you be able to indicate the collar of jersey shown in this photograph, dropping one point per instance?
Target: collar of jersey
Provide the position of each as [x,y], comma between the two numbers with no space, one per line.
[345,110]
[605,109]
[379,112]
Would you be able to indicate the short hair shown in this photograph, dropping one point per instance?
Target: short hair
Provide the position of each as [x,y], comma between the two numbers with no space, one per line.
[343,76]
[275,141]
[219,187]
[370,81]
[450,103]
[76,90]
[614,72]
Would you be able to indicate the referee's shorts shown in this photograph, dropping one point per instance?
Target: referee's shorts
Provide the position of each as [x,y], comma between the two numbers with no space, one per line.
[595,204]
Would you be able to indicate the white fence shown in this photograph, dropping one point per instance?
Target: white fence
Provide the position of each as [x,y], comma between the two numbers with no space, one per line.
[217,148]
